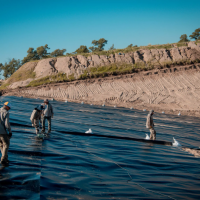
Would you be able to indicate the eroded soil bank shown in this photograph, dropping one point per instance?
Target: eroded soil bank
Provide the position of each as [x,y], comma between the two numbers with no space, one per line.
[170,90]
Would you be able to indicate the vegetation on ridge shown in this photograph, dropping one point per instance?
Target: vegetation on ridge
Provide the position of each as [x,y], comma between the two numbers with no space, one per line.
[60,77]
[196,34]
[113,69]
[97,49]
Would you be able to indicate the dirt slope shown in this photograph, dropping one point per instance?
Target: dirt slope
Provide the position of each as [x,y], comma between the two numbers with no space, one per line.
[170,90]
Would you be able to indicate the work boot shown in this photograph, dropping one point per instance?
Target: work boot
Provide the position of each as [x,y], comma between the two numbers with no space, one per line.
[5,162]
[49,131]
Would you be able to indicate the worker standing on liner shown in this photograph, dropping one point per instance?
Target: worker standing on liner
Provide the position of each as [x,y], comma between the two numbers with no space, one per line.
[150,125]
[36,117]
[47,114]
[4,136]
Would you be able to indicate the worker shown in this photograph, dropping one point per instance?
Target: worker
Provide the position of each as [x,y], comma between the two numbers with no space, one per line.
[47,114]
[5,132]
[36,117]
[150,125]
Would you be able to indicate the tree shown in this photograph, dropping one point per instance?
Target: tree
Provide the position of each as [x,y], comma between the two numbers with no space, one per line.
[58,52]
[92,49]
[32,55]
[184,38]
[1,67]
[112,47]
[42,51]
[10,67]
[129,46]
[196,34]
[98,45]
[82,49]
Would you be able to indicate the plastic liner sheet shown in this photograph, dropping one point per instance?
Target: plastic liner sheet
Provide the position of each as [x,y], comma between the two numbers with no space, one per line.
[101,165]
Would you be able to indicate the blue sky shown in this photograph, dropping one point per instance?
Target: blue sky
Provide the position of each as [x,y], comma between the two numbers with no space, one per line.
[69,24]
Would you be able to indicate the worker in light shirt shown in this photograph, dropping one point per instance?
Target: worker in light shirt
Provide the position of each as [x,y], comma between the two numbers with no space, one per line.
[47,115]
[5,132]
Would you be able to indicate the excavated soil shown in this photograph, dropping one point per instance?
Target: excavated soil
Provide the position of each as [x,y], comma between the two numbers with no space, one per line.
[170,90]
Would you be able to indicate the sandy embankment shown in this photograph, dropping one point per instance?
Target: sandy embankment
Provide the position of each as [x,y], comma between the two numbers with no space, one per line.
[171,90]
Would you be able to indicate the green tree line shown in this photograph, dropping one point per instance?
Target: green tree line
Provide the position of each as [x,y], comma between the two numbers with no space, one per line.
[8,68]
[195,35]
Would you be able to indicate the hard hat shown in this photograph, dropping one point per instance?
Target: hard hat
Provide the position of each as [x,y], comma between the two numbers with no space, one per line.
[8,104]
[40,107]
